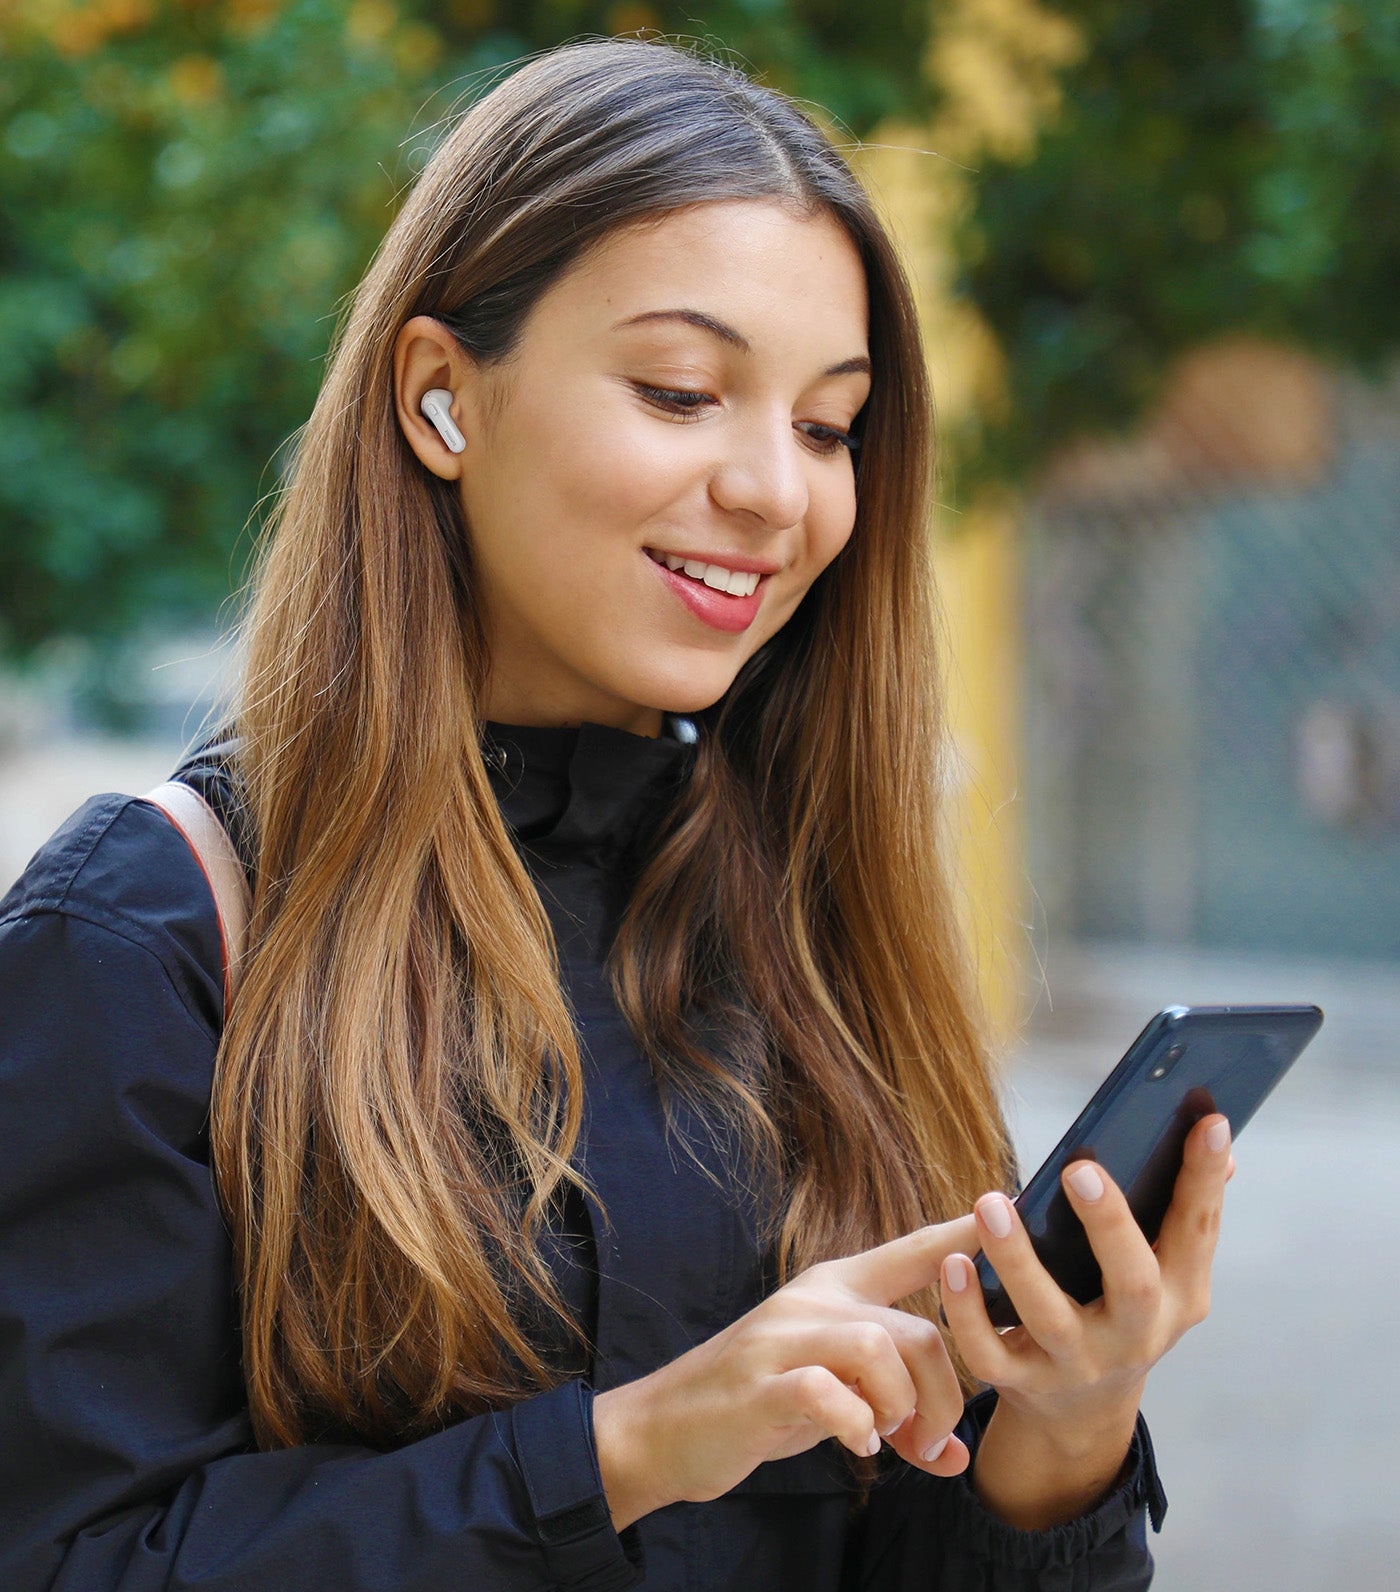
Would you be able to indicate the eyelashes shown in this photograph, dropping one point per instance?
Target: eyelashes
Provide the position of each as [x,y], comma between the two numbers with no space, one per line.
[685,402]
[686,405]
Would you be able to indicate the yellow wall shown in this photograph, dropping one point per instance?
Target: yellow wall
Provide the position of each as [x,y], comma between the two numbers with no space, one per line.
[979,573]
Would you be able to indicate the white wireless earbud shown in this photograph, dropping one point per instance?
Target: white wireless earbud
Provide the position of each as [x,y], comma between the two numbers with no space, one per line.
[437,405]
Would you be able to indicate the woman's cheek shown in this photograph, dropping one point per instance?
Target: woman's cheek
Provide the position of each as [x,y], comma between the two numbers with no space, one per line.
[830,532]
[627,468]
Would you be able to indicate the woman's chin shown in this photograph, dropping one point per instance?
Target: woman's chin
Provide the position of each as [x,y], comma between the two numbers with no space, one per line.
[686,691]
[688,701]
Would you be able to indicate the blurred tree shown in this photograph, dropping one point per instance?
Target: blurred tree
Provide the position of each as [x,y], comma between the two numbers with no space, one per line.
[189,189]
[1214,165]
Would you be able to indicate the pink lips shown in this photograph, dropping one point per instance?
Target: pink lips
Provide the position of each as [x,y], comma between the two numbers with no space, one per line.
[715,608]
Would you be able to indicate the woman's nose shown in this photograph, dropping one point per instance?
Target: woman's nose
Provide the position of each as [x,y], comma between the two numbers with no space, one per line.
[763,472]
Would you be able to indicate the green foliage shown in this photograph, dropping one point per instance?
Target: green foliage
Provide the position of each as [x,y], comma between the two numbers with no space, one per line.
[1218,165]
[181,211]
[856,63]
[189,191]
[1327,215]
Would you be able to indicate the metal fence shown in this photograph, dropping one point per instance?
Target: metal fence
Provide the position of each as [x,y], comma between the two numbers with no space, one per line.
[1213,674]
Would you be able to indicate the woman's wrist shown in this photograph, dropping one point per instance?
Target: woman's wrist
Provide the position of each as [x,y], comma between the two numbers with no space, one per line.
[1034,1474]
[631,1477]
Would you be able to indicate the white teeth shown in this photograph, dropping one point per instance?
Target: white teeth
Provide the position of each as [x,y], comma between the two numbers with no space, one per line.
[736,582]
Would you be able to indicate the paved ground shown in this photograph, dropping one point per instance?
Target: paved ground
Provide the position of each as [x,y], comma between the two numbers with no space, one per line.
[1276,1420]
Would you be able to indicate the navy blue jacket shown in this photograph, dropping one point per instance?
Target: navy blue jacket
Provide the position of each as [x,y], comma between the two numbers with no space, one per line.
[126,1457]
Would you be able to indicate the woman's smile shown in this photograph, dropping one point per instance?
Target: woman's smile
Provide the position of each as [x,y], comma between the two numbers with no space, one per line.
[722,597]
[728,575]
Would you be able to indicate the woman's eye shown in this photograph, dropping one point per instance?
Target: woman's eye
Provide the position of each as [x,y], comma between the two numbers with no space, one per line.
[829,439]
[685,403]
[673,399]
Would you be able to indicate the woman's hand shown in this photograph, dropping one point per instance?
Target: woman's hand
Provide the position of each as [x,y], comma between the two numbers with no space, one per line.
[824,1356]
[1070,1377]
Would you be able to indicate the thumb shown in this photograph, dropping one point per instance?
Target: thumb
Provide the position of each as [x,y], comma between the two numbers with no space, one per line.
[904,1265]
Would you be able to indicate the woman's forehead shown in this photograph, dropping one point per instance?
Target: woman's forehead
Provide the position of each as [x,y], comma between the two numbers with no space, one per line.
[741,273]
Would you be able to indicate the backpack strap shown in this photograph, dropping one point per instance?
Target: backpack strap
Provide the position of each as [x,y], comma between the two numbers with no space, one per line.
[207,838]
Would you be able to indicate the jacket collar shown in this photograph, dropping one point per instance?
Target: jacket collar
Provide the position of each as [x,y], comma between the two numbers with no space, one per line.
[587,787]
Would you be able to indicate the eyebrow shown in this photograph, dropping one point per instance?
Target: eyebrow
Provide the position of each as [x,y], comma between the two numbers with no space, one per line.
[859,365]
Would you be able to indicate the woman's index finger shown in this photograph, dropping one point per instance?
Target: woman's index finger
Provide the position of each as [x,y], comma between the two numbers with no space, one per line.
[902,1266]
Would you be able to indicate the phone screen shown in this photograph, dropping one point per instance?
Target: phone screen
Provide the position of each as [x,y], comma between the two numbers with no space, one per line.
[1187,1063]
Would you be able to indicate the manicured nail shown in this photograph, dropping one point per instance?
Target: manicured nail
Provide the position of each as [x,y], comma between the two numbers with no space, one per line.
[957,1272]
[1218,1136]
[1086,1182]
[930,1454]
[995,1210]
[873,1446]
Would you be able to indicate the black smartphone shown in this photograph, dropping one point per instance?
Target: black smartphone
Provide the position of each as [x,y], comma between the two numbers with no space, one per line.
[1188,1062]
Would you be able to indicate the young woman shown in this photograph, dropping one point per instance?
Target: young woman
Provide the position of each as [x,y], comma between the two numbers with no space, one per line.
[565,1197]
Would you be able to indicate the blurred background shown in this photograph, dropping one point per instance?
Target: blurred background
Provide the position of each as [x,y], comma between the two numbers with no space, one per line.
[1158,253]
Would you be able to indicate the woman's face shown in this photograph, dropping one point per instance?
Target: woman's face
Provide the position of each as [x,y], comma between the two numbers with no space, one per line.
[681,393]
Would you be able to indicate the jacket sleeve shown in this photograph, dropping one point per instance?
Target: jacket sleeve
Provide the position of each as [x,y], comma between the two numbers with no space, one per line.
[126,1457]
[922,1533]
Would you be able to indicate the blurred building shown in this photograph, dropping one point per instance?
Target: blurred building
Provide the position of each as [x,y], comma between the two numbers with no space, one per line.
[1212,667]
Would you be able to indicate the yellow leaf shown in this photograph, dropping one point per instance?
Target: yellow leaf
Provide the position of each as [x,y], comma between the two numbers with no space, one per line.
[196,79]
[370,21]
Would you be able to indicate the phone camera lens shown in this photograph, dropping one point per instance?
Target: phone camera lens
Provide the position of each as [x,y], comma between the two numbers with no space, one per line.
[1169,1058]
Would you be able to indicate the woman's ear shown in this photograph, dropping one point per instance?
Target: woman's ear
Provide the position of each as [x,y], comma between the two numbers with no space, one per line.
[429,360]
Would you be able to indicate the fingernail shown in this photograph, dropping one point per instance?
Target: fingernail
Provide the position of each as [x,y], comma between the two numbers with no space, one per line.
[1218,1136]
[930,1454]
[873,1446]
[995,1210]
[1086,1182]
[957,1272]
[891,1429]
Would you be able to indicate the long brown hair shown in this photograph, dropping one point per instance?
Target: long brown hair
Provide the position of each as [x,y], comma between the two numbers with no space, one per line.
[398,1090]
